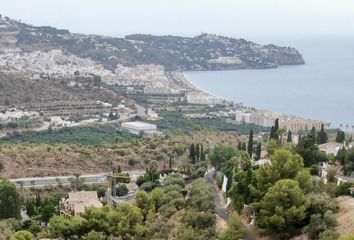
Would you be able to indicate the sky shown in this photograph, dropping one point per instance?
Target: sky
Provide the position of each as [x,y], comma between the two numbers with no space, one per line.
[250,19]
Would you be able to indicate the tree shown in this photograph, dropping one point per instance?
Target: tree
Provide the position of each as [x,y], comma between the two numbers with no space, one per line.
[202,154]
[243,147]
[60,226]
[22,235]
[289,138]
[349,161]
[272,146]
[10,201]
[308,149]
[235,230]
[93,235]
[239,146]
[322,136]
[280,133]
[6,229]
[313,132]
[128,217]
[341,155]
[250,144]
[197,153]
[276,125]
[319,223]
[284,165]
[192,154]
[258,151]
[282,209]
[97,80]
[1,165]
[220,154]
[121,190]
[47,212]
[274,130]
[329,234]
[201,197]
[344,189]
[340,138]
[239,172]
[144,202]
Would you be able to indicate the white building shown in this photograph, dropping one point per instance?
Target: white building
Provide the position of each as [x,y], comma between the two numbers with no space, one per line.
[331,147]
[140,127]
[78,201]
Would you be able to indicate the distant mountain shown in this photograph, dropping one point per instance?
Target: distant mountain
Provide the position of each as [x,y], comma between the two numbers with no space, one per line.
[203,52]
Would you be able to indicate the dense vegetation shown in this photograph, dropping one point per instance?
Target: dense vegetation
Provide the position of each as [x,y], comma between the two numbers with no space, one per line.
[171,121]
[175,212]
[90,135]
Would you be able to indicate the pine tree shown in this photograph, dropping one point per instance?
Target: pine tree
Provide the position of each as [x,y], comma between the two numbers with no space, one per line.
[290,138]
[250,144]
[258,151]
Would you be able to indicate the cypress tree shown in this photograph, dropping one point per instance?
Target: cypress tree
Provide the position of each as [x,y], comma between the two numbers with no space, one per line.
[197,153]
[274,130]
[340,136]
[170,163]
[258,151]
[192,153]
[276,125]
[243,146]
[313,132]
[290,138]
[202,154]
[239,146]
[322,136]
[273,134]
[250,144]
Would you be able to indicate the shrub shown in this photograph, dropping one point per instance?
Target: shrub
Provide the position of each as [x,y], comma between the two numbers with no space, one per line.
[314,170]
[344,189]
[132,162]
[121,190]
[147,186]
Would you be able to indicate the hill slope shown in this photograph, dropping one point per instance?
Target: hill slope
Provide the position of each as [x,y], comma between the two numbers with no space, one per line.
[203,52]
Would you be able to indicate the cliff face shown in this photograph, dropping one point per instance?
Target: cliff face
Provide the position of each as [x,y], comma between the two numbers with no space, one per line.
[203,52]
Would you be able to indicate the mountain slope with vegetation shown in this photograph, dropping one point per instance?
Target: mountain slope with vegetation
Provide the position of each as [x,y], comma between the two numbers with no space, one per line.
[203,52]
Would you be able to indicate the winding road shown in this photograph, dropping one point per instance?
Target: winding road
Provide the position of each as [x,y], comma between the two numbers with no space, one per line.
[219,207]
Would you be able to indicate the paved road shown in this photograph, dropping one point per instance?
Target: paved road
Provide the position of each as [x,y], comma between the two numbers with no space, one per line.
[220,209]
[65,180]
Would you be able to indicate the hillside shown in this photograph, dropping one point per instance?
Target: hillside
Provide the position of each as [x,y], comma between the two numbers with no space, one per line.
[203,52]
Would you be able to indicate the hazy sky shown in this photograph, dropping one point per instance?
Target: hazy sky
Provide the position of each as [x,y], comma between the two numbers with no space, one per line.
[237,18]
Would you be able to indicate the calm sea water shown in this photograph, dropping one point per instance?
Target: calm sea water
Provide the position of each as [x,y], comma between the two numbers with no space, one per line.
[321,89]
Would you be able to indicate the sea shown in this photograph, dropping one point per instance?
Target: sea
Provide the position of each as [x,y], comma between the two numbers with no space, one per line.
[321,89]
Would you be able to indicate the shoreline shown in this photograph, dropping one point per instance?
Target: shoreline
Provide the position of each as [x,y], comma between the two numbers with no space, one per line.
[184,79]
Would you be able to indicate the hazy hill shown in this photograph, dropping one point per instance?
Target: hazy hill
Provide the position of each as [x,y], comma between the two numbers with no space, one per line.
[203,52]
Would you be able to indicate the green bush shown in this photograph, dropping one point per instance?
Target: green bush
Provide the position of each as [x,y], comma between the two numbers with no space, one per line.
[121,190]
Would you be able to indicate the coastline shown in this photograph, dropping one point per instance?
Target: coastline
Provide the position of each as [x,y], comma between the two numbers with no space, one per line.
[183,78]
[198,91]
